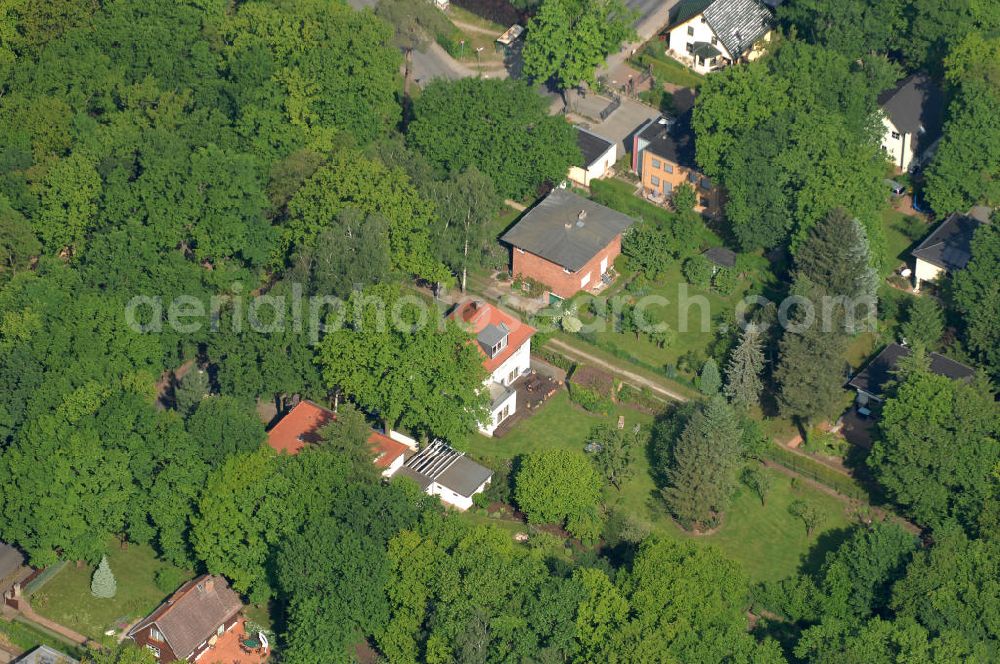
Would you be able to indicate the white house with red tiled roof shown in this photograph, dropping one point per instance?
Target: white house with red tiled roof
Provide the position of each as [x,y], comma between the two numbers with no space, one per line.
[505,343]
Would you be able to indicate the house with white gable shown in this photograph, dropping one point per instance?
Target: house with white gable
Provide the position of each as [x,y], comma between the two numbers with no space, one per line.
[505,343]
[912,118]
[711,34]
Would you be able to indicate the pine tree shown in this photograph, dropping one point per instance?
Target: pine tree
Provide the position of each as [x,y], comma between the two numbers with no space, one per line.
[810,370]
[103,584]
[706,461]
[191,390]
[836,255]
[743,381]
[924,324]
[709,382]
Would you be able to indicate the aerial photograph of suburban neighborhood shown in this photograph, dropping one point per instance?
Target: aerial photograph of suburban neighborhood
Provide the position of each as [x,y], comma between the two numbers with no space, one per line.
[500,331]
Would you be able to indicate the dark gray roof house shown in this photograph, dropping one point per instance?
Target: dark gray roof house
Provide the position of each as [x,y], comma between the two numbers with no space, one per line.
[439,464]
[915,106]
[567,229]
[592,146]
[671,139]
[949,246]
[45,655]
[738,24]
[873,378]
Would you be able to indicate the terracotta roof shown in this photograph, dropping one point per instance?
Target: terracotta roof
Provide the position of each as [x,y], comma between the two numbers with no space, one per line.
[193,613]
[302,424]
[386,449]
[299,427]
[479,316]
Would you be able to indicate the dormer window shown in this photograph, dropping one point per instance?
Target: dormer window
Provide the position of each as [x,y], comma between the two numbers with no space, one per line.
[493,339]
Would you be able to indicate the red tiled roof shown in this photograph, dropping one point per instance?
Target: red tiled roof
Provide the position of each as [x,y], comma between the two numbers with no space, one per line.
[387,449]
[477,315]
[302,424]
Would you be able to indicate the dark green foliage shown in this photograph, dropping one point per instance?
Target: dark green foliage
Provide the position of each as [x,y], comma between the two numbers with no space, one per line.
[501,127]
[190,390]
[835,255]
[743,372]
[614,452]
[977,297]
[924,323]
[698,271]
[222,426]
[709,380]
[704,465]
[590,399]
[562,487]
[927,413]
[790,138]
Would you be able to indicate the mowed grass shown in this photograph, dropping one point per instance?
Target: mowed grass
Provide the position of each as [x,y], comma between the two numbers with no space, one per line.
[766,540]
[665,68]
[898,242]
[693,313]
[66,597]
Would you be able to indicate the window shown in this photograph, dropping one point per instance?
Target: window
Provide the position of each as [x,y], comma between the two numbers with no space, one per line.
[703,202]
[221,630]
[706,183]
[690,31]
[156,635]
[668,168]
[690,48]
[498,346]
[585,280]
[667,188]
[154,650]
[715,40]
[895,135]
[656,163]
[711,63]
[512,376]
[693,178]
[655,180]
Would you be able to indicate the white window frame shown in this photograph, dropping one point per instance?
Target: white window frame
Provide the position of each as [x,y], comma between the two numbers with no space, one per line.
[154,650]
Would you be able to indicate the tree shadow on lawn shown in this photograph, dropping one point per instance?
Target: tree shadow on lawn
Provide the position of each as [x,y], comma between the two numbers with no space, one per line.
[825,542]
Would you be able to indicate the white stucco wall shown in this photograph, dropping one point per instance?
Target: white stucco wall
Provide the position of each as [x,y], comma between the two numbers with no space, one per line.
[597,170]
[391,469]
[900,150]
[519,361]
[679,39]
[925,272]
[453,499]
[509,402]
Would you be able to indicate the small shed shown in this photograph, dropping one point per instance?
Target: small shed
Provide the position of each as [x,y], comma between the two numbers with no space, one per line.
[509,38]
[720,257]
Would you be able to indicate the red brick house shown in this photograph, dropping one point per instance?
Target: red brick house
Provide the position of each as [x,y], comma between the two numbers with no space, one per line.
[567,242]
[191,621]
[301,426]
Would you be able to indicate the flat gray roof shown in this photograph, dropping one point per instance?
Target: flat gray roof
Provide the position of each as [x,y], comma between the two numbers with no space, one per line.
[567,229]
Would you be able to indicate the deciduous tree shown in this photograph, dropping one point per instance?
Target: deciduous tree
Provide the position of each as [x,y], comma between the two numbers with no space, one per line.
[562,487]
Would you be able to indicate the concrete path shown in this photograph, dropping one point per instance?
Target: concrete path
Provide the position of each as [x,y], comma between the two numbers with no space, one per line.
[51,625]
[634,379]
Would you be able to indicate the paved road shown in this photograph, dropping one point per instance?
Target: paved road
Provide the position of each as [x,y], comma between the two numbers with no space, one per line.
[630,377]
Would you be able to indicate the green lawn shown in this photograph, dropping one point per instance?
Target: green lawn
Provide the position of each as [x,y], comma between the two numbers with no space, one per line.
[665,68]
[66,597]
[895,225]
[26,637]
[686,312]
[767,541]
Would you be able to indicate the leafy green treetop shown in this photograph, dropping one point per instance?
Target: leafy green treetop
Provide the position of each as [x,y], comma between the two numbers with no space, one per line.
[569,39]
